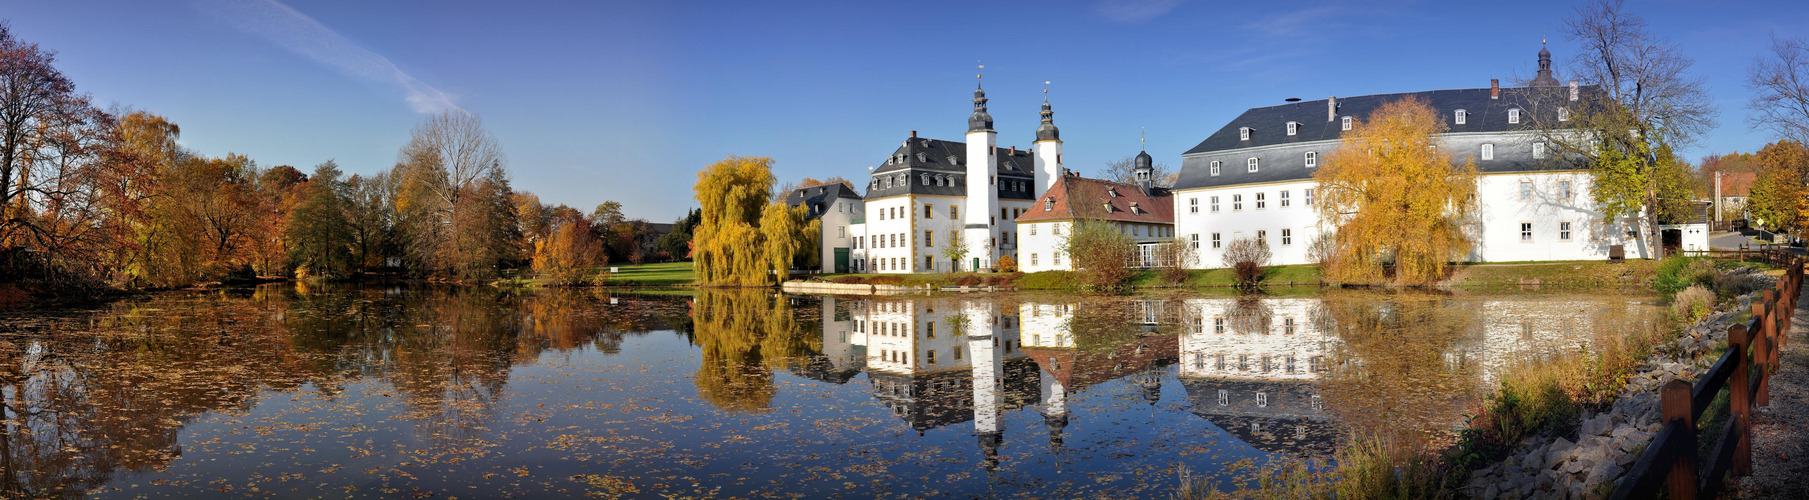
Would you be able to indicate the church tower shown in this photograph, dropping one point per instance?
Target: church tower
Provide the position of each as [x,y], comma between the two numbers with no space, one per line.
[982,188]
[1047,150]
[1544,78]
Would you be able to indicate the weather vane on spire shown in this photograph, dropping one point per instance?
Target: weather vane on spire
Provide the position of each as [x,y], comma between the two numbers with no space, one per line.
[1144,140]
[979,74]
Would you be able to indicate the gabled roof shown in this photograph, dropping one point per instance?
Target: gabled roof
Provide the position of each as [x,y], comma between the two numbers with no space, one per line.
[1734,184]
[1074,196]
[820,196]
[944,162]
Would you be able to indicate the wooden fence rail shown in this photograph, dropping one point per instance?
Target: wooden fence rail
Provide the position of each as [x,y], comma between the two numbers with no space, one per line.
[1745,372]
[1776,255]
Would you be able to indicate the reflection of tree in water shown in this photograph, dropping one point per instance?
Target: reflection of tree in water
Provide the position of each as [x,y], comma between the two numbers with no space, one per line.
[744,335]
[1399,358]
[108,390]
[1250,313]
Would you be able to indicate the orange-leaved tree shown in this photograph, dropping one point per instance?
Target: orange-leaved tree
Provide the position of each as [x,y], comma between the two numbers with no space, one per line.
[1394,199]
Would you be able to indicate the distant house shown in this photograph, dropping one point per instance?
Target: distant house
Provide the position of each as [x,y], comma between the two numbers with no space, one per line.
[1736,188]
[840,208]
[1691,233]
[1142,210]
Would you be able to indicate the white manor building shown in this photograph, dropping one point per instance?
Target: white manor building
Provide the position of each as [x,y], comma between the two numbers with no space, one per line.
[929,194]
[1253,178]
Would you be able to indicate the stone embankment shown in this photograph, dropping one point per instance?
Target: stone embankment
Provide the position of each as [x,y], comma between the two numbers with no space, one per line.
[823,287]
[1610,441]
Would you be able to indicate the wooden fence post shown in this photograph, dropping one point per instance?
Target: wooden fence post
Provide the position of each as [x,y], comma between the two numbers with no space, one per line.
[1739,390]
[1768,344]
[1675,400]
[1761,308]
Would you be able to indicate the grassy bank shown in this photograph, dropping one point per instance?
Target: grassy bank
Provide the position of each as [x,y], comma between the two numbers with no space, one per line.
[661,274]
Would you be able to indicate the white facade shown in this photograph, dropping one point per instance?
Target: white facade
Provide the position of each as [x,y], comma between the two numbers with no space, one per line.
[1280,214]
[1042,246]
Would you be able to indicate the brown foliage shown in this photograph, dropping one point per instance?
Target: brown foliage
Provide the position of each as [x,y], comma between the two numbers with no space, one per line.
[1247,257]
[569,255]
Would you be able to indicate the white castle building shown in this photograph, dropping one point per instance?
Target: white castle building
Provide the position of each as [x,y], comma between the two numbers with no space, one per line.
[1253,178]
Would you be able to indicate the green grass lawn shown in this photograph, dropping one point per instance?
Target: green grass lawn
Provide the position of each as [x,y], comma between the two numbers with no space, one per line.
[661,274]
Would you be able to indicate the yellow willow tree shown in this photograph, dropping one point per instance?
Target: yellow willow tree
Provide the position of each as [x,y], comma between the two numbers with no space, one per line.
[728,247]
[1393,197]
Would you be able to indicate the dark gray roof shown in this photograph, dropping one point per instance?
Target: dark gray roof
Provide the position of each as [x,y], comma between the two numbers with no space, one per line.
[1486,122]
[820,195]
[948,160]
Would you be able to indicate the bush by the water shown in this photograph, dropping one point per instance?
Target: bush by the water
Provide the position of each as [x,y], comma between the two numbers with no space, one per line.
[1678,273]
[1692,304]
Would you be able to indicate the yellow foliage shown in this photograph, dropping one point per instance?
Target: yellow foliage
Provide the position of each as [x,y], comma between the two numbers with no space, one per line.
[728,248]
[1393,196]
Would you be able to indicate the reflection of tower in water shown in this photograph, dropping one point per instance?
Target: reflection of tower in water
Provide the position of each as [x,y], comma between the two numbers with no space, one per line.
[983,343]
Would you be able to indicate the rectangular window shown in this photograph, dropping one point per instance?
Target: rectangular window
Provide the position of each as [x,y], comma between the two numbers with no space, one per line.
[1513,116]
[1193,205]
[1218,324]
[1287,236]
[1215,168]
[928,210]
[1260,202]
[1250,165]
[1287,328]
[1488,151]
[1032,229]
[953,212]
[1526,190]
[1002,214]
[1346,123]
[1194,240]
[1283,199]
[1306,196]
[1564,231]
[841,231]
[929,239]
[1055,228]
[1215,204]
[957,351]
[929,356]
[1597,230]
[1215,241]
[930,331]
[1292,127]
[1538,150]
[1564,190]
[1312,159]
[1526,232]
[1237,202]
[1462,117]
[1033,258]
[1262,237]
[929,263]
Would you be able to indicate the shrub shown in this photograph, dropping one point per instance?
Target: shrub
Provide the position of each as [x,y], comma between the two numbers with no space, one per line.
[1692,303]
[1739,282]
[1007,264]
[1246,258]
[1100,251]
[1677,273]
[1172,259]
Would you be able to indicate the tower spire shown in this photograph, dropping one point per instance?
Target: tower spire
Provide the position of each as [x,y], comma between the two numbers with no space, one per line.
[1544,78]
[1047,131]
[980,120]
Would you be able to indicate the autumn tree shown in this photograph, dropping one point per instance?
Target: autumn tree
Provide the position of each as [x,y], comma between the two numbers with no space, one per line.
[319,231]
[677,244]
[1641,102]
[1780,85]
[1100,251]
[782,228]
[144,150]
[1394,198]
[1246,258]
[453,199]
[956,249]
[728,249]
[370,219]
[570,254]
[34,98]
[1779,197]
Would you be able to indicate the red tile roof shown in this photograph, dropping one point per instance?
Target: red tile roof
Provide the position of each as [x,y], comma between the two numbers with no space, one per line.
[1734,183]
[1088,198]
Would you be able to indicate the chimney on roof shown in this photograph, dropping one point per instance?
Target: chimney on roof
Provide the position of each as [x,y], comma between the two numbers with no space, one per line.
[913,134]
[1014,150]
[1331,108]
[1494,88]
[1573,90]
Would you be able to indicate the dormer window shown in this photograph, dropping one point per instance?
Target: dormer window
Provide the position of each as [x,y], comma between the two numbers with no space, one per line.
[1108,206]
[926,179]
[1113,192]
[1345,123]
[1250,165]
[1563,114]
[1514,115]
[1048,204]
[923,157]
[1461,117]
[1215,168]
[1293,127]
[1243,133]
[1488,151]
[1312,159]
[951,160]
[1136,209]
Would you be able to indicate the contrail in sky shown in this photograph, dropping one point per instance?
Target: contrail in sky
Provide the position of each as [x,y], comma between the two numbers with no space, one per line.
[295,31]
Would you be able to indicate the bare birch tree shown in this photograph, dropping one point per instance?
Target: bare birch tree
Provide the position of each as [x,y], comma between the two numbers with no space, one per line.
[1780,85]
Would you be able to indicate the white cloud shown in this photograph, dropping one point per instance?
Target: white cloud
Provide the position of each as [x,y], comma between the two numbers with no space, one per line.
[298,33]
[1133,11]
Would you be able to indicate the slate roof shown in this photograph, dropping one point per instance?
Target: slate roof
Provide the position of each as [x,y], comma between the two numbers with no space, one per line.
[1075,194]
[820,196]
[917,156]
[1269,140]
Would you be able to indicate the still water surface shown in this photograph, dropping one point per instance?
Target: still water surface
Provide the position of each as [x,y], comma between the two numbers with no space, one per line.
[389,391]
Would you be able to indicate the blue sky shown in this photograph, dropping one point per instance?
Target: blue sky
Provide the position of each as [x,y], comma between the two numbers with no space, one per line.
[627,101]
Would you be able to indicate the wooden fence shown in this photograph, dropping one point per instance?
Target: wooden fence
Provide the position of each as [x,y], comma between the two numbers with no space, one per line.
[1671,461]
[1776,255]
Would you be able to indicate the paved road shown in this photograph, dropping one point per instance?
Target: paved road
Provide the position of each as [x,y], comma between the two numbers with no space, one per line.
[1731,240]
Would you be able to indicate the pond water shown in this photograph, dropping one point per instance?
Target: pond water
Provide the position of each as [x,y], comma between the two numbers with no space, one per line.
[412,390]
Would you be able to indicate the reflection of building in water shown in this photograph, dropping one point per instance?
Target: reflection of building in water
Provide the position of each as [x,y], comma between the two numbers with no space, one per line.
[1249,366]
[1522,329]
[1066,369]
[935,362]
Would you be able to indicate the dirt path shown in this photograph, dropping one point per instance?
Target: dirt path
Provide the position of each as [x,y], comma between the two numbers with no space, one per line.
[1780,449]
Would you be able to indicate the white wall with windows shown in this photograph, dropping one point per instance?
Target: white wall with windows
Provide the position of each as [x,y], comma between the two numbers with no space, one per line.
[1041,248]
[1280,213]
[1547,215]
